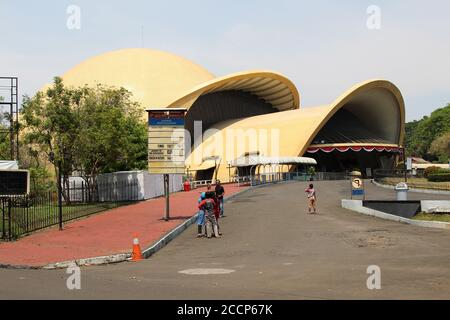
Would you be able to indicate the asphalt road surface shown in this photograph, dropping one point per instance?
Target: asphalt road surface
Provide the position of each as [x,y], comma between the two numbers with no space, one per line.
[270,249]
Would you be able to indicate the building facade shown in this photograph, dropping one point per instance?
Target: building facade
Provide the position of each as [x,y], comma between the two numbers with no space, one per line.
[256,112]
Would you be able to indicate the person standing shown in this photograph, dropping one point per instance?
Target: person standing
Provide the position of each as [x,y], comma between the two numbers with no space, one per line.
[208,206]
[201,218]
[217,211]
[312,198]
[220,193]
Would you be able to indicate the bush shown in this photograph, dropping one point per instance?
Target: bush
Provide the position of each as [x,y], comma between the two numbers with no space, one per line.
[431,170]
[443,176]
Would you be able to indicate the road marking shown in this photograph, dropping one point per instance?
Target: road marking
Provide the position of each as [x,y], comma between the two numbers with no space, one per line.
[206,271]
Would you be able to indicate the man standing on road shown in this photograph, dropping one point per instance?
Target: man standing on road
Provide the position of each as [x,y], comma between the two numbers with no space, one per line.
[220,193]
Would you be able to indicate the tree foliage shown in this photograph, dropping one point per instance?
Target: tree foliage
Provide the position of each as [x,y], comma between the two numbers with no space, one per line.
[4,139]
[421,134]
[110,136]
[51,121]
[88,130]
[440,148]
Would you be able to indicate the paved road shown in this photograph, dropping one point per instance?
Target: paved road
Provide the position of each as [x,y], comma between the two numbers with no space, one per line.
[276,251]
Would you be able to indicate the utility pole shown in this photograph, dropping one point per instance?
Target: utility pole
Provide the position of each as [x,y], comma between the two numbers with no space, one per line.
[405,164]
[167,195]
[60,215]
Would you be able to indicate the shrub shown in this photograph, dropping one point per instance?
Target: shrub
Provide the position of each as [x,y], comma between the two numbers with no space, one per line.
[431,170]
[443,176]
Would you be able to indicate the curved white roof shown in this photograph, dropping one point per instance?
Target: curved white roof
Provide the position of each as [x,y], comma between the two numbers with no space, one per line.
[270,86]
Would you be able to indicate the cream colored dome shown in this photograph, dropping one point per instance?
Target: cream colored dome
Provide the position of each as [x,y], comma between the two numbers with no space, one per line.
[155,78]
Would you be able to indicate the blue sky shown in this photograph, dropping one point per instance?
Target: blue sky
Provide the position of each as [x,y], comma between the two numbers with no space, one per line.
[323,46]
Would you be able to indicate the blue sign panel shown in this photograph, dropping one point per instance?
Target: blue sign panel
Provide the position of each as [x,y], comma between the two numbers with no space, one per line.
[166,122]
[358,192]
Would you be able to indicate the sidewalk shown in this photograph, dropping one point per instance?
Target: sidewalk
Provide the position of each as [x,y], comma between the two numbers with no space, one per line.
[107,233]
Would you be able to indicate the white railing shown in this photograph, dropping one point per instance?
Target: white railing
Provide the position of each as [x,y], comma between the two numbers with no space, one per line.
[200,183]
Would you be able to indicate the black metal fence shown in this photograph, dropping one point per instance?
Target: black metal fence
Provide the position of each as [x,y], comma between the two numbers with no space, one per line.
[414,179]
[23,215]
[292,176]
[390,176]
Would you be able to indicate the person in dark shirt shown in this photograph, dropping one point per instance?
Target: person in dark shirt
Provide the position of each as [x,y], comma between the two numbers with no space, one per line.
[220,193]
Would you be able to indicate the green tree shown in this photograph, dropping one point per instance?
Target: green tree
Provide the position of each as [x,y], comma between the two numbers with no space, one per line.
[51,126]
[40,178]
[441,148]
[421,134]
[4,138]
[111,136]
[88,130]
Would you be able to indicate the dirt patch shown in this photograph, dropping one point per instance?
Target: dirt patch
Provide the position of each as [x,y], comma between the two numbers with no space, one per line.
[369,239]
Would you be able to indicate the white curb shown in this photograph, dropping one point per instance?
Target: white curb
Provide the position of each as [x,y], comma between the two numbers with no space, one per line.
[357,206]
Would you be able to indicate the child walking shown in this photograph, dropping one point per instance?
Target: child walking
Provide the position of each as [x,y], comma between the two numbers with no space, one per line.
[312,198]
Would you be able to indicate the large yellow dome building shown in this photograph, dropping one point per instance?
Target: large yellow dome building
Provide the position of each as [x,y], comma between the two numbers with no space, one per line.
[361,129]
[154,77]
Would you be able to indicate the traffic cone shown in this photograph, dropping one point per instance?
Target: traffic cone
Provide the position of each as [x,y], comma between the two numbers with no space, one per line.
[137,253]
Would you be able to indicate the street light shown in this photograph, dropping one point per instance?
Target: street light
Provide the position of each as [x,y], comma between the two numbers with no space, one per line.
[60,216]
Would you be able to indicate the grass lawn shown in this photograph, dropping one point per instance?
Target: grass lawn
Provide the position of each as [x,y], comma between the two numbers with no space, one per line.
[419,183]
[432,217]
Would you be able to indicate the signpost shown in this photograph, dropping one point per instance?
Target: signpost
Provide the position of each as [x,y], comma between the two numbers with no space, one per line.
[166,139]
[357,185]
[409,164]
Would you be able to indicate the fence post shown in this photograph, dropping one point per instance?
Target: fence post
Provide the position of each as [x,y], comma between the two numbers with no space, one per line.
[60,218]
[27,213]
[3,220]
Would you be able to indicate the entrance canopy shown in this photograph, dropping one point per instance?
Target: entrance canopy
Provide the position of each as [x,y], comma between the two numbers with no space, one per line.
[261,160]
[206,165]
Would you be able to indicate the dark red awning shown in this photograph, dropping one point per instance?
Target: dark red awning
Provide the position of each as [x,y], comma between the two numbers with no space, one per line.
[355,149]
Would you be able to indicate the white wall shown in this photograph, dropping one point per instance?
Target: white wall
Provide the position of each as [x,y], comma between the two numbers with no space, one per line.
[145,186]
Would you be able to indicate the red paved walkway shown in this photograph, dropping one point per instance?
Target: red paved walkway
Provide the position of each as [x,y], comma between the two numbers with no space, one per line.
[107,233]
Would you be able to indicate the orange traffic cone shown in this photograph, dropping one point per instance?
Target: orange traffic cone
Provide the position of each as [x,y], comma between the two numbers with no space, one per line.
[137,253]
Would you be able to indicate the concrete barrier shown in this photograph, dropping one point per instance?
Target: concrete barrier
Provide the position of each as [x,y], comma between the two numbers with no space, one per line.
[433,206]
[357,206]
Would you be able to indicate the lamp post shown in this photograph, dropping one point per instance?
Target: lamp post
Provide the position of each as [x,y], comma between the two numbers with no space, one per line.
[215,169]
[60,216]
[404,162]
